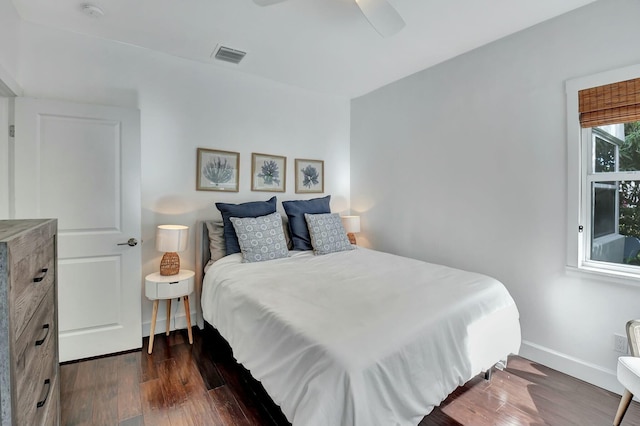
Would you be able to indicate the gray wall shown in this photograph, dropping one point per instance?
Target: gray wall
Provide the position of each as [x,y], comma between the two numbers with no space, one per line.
[465,164]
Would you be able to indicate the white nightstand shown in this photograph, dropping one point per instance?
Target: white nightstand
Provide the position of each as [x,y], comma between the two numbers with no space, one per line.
[169,287]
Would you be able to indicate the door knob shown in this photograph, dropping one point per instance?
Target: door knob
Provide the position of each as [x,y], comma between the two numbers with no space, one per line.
[131,242]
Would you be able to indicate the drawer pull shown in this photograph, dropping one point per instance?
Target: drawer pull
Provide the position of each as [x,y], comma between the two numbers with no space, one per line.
[40,277]
[47,383]
[41,341]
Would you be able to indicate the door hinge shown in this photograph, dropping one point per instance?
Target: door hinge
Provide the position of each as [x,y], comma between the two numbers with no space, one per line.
[12,131]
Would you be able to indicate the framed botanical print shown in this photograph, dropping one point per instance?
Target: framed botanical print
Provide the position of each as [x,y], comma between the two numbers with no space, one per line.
[268,173]
[309,176]
[217,170]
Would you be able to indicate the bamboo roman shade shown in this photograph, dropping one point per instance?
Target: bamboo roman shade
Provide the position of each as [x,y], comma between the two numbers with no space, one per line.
[610,104]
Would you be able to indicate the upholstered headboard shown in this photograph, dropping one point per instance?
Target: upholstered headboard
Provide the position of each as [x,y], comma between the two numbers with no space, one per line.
[203,255]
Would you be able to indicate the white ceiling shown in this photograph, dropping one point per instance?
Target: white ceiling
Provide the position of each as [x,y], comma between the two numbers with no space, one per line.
[321,45]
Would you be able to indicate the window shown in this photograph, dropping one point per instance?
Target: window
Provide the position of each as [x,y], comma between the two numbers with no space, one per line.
[604,173]
[613,234]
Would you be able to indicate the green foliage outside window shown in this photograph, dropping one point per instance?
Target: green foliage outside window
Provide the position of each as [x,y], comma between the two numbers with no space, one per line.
[630,190]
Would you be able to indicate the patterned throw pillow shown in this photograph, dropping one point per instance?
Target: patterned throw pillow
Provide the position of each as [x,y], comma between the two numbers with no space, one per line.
[327,233]
[261,238]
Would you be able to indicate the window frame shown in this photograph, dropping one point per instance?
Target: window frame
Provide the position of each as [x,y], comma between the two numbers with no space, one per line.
[579,168]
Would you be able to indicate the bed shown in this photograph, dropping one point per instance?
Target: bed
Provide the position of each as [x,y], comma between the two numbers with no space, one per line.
[357,337]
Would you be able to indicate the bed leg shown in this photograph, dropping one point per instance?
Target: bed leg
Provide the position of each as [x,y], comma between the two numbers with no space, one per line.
[487,374]
[500,365]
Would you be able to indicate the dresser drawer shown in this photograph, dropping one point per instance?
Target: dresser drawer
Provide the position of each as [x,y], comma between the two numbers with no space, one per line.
[31,278]
[34,408]
[48,414]
[36,346]
[42,390]
[36,362]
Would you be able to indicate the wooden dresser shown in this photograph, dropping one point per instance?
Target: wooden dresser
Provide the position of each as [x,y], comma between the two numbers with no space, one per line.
[29,382]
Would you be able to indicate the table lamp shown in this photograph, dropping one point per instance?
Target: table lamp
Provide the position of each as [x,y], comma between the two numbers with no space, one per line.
[352,226]
[171,239]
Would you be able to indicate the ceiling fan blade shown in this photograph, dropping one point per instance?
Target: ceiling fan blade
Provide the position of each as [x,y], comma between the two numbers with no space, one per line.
[382,16]
[266,2]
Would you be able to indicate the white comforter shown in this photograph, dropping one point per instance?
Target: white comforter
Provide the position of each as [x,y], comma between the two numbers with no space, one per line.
[354,338]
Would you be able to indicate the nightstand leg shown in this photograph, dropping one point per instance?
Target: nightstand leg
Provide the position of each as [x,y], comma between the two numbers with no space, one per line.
[187,312]
[168,316]
[153,325]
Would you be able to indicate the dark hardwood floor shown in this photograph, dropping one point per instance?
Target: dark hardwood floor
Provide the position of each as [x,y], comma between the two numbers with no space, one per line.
[199,385]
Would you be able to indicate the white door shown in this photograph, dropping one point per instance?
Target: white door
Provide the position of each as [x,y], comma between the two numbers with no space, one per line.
[81,164]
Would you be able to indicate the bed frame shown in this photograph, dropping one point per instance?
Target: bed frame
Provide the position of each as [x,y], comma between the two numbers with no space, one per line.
[202,258]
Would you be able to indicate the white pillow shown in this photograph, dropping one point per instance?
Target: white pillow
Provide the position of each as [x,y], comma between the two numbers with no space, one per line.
[327,233]
[260,238]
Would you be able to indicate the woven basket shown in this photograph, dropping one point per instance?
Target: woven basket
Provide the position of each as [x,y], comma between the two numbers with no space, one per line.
[170,264]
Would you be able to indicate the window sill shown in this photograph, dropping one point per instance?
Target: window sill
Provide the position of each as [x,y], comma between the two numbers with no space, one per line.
[605,275]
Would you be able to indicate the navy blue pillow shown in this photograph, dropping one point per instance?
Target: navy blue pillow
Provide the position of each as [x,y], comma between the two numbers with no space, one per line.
[298,225]
[251,209]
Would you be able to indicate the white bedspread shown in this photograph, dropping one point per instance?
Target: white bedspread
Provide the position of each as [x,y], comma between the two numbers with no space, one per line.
[358,337]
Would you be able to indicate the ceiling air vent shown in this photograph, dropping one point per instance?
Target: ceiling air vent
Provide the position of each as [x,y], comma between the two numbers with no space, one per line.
[228,54]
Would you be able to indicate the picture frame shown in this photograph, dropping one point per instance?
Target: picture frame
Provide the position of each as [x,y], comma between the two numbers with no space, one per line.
[268,173]
[309,176]
[217,170]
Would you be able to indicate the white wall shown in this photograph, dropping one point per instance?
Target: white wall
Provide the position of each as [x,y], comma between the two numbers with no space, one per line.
[9,30]
[185,105]
[465,164]
[9,27]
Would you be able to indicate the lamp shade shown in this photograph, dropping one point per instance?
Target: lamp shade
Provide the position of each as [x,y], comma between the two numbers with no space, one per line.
[172,238]
[351,224]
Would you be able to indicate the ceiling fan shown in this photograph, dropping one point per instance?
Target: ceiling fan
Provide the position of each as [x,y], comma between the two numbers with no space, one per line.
[380,14]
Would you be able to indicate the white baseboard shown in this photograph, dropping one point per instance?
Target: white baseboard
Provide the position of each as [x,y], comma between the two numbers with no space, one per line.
[583,370]
[177,322]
